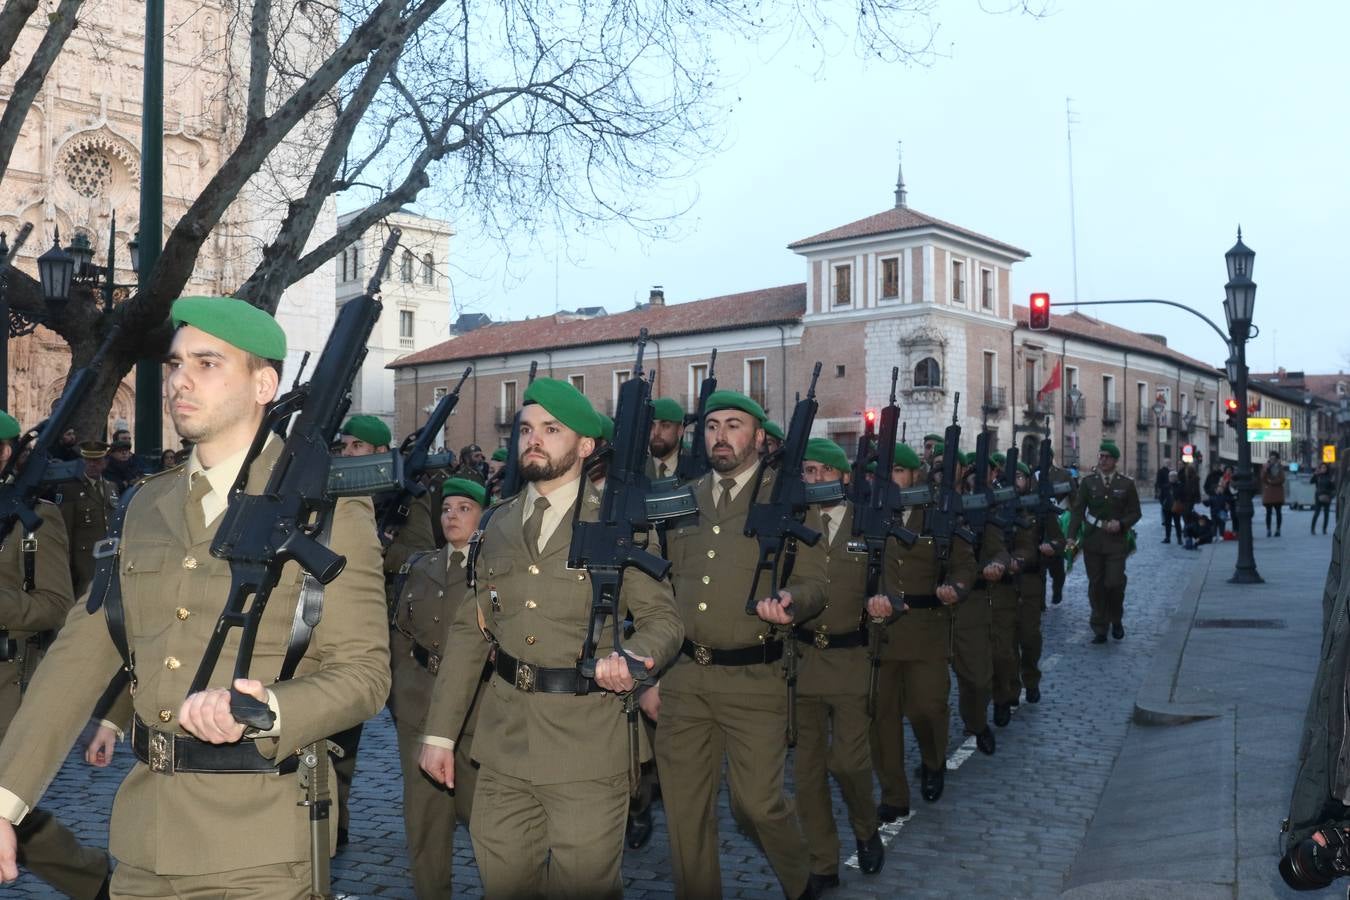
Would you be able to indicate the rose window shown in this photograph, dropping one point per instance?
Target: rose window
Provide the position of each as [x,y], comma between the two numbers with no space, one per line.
[89,172]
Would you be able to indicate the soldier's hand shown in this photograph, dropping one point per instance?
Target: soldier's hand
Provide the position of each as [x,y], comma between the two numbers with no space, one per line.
[206,714]
[776,611]
[439,764]
[9,852]
[947,594]
[99,752]
[993,572]
[1047,550]
[880,607]
[649,701]
[611,673]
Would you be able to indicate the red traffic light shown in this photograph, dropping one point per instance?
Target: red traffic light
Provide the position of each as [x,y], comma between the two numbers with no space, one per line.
[1039,318]
[870,416]
[1231,404]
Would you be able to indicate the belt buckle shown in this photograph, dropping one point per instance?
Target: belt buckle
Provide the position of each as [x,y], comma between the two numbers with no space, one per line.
[160,751]
[106,547]
[434,664]
[28,545]
[702,655]
[524,677]
[822,640]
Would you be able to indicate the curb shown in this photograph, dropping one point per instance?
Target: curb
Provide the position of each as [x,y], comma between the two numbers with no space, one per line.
[1154,704]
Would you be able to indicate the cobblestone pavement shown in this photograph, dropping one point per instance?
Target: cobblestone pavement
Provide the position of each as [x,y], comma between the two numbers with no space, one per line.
[1008,825]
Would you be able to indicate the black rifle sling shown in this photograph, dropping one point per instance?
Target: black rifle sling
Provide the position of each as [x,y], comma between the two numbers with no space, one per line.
[308,613]
[28,549]
[401,581]
[475,546]
[106,589]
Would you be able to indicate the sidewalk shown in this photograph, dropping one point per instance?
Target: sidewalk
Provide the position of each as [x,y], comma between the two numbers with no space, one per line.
[1195,800]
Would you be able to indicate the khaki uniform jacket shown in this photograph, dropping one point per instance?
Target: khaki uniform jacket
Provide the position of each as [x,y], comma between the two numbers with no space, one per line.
[416,535]
[924,634]
[23,615]
[837,670]
[173,591]
[86,506]
[712,564]
[538,612]
[431,597]
[1119,501]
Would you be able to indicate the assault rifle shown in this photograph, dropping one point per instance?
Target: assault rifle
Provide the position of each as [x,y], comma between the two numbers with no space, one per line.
[508,476]
[694,464]
[21,487]
[259,533]
[942,519]
[1043,505]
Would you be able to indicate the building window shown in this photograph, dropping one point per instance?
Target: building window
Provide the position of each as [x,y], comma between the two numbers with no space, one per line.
[987,289]
[958,281]
[838,371]
[578,382]
[507,413]
[1141,459]
[927,373]
[405,324]
[697,372]
[406,267]
[990,371]
[620,376]
[1109,388]
[843,285]
[755,384]
[344,276]
[890,278]
[428,270]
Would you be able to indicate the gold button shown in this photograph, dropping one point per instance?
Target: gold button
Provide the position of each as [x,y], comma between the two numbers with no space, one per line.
[436,644]
[435,618]
[172,662]
[529,639]
[703,607]
[440,593]
[581,576]
[189,562]
[717,529]
[165,715]
[130,566]
[182,613]
[530,604]
[707,579]
[534,570]
[761,638]
[712,554]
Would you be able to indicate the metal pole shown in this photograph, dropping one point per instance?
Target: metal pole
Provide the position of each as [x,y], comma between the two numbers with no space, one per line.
[4,339]
[149,403]
[1245,572]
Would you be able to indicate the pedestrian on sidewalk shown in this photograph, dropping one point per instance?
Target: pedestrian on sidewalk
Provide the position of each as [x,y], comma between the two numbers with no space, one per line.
[1324,488]
[1272,491]
[1163,483]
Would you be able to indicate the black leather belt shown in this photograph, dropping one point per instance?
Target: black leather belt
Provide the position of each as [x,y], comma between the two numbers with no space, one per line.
[758,654]
[919,601]
[167,753]
[540,680]
[427,659]
[825,641]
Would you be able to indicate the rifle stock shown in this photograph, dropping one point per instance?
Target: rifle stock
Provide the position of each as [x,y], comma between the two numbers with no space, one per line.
[414,463]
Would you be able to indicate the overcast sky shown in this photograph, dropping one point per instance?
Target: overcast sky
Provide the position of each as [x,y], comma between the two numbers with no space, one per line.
[1192,118]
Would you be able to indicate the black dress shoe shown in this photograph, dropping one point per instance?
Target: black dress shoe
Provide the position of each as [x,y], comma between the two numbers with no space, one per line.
[871,854]
[1033,695]
[343,838]
[639,830]
[984,741]
[888,813]
[1057,599]
[818,884]
[1117,631]
[1002,714]
[1167,540]
[932,782]
[1099,639]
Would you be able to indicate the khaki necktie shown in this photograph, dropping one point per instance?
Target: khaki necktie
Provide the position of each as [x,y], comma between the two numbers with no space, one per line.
[196,514]
[456,560]
[661,473]
[825,519]
[533,525]
[724,501]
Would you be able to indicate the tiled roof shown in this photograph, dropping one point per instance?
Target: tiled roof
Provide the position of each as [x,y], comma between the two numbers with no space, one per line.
[900,218]
[1076,324]
[769,306]
[1322,386]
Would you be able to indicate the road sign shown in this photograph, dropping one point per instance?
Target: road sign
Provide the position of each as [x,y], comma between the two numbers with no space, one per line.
[1188,453]
[1273,424]
[1269,435]
[1328,453]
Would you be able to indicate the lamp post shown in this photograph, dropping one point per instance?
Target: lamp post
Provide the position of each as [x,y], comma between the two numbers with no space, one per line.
[1239,301]
[149,240]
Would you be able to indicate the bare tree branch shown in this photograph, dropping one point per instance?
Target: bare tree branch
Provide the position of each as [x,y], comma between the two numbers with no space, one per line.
[12,19]
[259,58]
[61,24]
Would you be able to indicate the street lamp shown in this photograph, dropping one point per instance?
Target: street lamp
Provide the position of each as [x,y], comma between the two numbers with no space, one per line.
[1238,305]
[135,247]
[55,269]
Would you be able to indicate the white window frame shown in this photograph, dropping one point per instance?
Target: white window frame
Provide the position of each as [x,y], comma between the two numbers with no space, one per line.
[957,280]
[410,317]
[745,375]
[899,278]
[985,271]
[1109,388]
[572,380]
[515,385]
[834,285]
[697,372]
[617,378]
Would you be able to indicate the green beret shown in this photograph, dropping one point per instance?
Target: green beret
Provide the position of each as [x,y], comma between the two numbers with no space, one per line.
[965,459]
[719,400]
[464,487]
[932,437]
[369,429]
[939,448]
[827,452]
[1024,468]
[9,427]
[872,467]
[998,459]
[1109,448]
[567,404]
[774,430]
[236,322]
[499,455]
[665,409]
[905,457]
[606,427]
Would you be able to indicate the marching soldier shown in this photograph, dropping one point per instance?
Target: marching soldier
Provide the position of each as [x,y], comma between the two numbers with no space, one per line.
[35,596]
[1055,565]
[432,592]
[209,810]
[972,642]
[832,692]
[553,784]
[725,695]
[666,434]
[1105,508]
[1017,662]
[87,507]
[773,437]
[914,681]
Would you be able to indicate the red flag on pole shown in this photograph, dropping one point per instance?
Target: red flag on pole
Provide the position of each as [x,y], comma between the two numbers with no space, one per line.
[1053,382]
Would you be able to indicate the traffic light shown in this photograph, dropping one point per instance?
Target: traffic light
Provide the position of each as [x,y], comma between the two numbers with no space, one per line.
[1231,408]
[870,417]
[1040,312]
